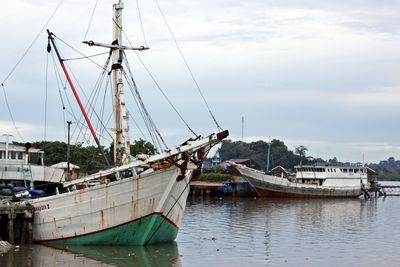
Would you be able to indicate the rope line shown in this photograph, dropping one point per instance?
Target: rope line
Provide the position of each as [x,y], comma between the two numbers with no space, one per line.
[156,83]
[85,57]
[33,42]
[10,113]
[76,50]
[91,18]
[141,22]
[187,65]
[45,97]
[19,61]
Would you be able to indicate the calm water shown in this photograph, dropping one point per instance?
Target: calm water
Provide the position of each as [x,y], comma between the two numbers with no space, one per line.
[249,232]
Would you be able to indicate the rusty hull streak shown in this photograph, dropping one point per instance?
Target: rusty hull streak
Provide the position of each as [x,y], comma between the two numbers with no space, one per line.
[102,218]
[81,191]
[106,194]
[113,210]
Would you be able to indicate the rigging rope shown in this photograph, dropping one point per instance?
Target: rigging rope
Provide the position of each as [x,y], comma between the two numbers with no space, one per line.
[10,113]
[150,125]
[91,18]
[156,83]
[137,125]
[85,57]
[165,96]
[141,22]
[104,68]
[76,50]
[141,102]
[19,61]
[59,82]
[187,65]
[32,43]
[45,98]
[91,99]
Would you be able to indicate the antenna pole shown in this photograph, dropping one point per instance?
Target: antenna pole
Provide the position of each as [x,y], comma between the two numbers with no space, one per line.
[69,152]
[242,127]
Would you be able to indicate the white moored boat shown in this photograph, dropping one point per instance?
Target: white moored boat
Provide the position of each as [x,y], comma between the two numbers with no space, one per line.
[311,181]
[17,174]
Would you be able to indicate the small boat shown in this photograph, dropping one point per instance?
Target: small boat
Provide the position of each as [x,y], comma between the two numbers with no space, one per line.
[19,177]
[311,181]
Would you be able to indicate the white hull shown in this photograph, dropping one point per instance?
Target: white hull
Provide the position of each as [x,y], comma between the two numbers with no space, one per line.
[272,186]
[106,206]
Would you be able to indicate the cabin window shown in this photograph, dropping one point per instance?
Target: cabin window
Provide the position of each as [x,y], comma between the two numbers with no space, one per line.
[356,170]
[334,170]
[20,155]
[2,154]
[350,170]
[12,155]
[344,170]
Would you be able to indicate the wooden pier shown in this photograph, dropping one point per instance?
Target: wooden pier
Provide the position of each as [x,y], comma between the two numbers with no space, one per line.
[204,189]
[221,189]
[390,190]
[16,222]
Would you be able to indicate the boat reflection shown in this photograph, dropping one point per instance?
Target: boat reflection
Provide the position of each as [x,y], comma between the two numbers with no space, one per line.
[43,256]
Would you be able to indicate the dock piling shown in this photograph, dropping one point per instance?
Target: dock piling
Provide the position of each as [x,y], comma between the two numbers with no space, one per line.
[16,222]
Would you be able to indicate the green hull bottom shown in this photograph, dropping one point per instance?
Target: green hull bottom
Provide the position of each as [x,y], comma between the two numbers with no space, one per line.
[148,230]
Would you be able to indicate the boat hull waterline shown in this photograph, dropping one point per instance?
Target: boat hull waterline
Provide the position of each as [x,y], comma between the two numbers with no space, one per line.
[131,211]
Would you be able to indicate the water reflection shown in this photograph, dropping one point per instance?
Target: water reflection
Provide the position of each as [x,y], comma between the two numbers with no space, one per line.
[43,256]
[248,232]
[289,232]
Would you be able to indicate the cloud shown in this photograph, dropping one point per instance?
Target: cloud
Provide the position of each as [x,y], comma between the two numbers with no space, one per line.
[303,70]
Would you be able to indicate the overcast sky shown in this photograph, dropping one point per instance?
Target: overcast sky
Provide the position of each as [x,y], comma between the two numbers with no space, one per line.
[323,74]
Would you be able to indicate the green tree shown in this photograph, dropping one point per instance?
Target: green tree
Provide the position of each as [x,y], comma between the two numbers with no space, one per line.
[257,153]
[301,151]
[142,147]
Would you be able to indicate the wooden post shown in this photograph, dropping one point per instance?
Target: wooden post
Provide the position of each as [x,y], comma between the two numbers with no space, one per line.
[11,228]
[29,239]
[23,230]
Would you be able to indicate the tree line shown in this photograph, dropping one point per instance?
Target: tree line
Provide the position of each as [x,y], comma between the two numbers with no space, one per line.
[257,152]
[88,158]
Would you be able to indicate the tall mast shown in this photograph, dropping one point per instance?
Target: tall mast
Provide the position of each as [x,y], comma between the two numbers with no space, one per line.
[121,129]
[117,57]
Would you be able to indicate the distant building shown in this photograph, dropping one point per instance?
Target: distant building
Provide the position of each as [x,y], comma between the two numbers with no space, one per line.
[279,171]
[211,163]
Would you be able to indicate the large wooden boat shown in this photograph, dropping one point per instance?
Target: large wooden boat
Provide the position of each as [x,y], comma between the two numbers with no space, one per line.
[310,181]
[136,200]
